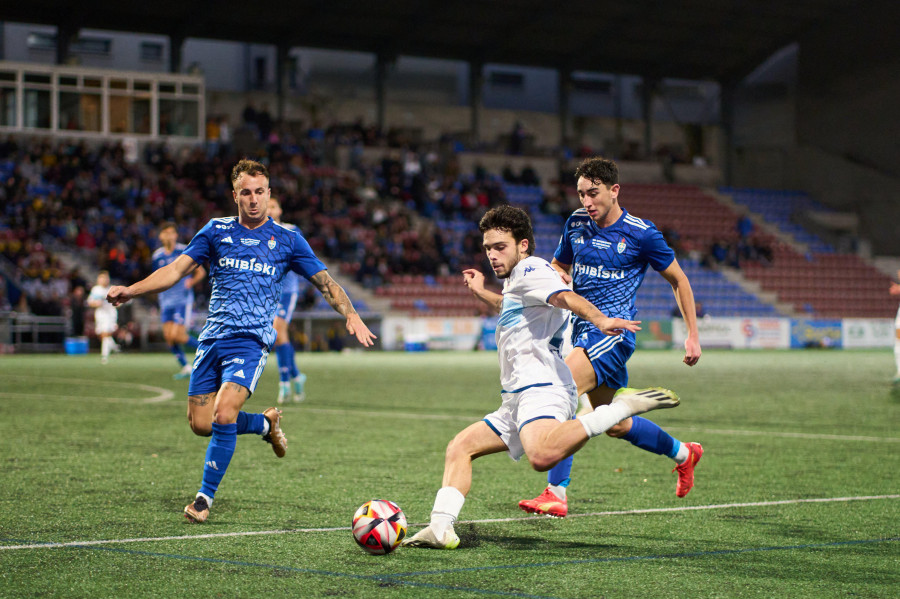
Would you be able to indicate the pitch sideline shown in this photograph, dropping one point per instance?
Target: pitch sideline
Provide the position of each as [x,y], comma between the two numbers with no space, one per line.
[689,508]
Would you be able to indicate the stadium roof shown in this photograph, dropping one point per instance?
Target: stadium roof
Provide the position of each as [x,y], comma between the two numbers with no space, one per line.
[695,39]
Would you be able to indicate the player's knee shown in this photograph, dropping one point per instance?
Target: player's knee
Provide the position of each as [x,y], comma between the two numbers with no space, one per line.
[200,429]
[458,449]
[543,461]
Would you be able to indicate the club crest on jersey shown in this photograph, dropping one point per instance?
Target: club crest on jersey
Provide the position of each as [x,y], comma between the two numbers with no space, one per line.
[249,241]
[272,243]
[621,247]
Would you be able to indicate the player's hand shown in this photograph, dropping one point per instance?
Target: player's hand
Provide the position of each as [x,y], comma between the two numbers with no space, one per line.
[474,279]
[691,351]
[357,328]
[895,288]
[118,295]
[617,326]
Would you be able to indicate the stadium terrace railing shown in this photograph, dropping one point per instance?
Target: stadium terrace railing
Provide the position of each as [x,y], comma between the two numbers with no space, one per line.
[22,332]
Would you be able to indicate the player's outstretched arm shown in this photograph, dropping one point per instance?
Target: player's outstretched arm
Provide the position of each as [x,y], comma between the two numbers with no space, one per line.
[563,270]
[159,280]
[474,280]
[337,298]
[569,300]
[684,297]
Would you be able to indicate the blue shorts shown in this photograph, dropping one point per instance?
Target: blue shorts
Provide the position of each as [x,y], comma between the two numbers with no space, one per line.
[179,314]
[239,360]
[286,305]
[608,355]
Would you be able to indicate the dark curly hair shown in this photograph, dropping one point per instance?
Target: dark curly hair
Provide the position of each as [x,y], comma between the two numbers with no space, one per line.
[511,219]
[598,170]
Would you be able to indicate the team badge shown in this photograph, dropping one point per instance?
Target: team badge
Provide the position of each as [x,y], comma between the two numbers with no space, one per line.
[621,247]
[272,243]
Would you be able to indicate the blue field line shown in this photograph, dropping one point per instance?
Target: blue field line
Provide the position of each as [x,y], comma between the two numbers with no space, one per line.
[634,558]
[387,579]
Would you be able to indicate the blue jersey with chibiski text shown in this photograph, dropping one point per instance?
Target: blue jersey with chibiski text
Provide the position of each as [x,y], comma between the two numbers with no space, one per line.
[291,279]
[609,263]
[246,270]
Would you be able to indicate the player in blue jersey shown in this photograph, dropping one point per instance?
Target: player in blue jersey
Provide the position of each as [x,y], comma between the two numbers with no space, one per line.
[605,252]
[248,256]
[291,380]
[176,303]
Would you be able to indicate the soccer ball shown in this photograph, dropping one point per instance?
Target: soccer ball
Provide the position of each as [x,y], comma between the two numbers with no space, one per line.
[379,526]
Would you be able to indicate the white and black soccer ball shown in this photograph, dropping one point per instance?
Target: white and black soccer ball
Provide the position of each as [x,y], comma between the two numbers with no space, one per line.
[379,526]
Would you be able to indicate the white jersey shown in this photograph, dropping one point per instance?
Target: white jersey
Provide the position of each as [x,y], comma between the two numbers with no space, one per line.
[106,313]
[530,331]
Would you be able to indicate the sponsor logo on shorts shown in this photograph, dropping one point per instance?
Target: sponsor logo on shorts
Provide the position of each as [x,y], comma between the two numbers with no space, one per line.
[233,360]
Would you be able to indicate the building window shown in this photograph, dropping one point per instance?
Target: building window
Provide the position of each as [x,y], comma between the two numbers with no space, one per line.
[507,79]
[151,51]
[83,45]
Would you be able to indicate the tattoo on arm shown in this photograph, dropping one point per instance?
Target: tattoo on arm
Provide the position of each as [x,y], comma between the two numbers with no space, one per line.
[333,293]
[201,400]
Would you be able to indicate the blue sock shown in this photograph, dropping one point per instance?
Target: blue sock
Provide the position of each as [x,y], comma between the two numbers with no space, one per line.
[285,356]
[295,372]
[559,474]
[253,424]
[218,456]
[647,435]
[179,354]
[192,342]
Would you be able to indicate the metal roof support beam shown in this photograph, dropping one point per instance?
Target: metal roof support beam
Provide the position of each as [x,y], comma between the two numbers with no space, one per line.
[648,90]
[476,99]
[383,62]
[727,98]
[176,45]
[66,34]
[283,66]
[565,94]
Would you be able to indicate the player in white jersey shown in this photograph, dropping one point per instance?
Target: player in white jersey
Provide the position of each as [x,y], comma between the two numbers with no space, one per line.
[535,417]
[895,291]
[291,381]
[105,316]
[248,257]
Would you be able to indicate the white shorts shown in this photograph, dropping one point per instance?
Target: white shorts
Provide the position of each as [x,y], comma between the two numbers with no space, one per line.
[518,409]
[103,324]
[897,320]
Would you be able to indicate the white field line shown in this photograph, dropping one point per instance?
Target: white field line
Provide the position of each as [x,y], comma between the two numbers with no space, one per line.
[160,394]
[483,521]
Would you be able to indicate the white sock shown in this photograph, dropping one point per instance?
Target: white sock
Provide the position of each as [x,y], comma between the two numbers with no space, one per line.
[558,491]
[604,417]
[447,504]
[206,497]
[897,351]
[106,346]
[683,454]
[266,427]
